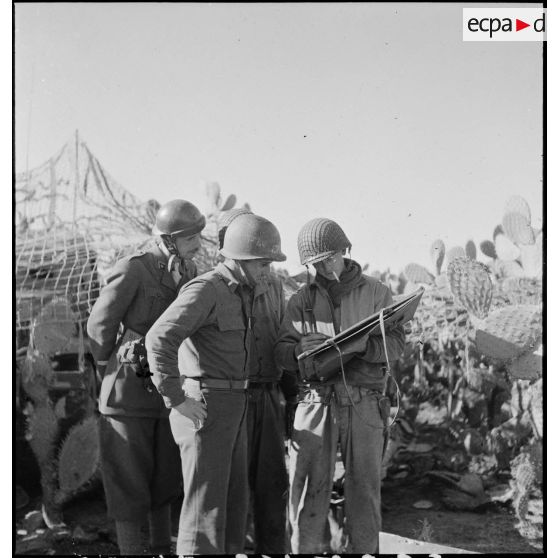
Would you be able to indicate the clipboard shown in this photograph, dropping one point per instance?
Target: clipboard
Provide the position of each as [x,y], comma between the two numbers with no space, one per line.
[322,362]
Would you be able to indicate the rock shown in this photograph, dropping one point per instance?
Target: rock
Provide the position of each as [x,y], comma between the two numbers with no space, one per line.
[423,505]
[33,521]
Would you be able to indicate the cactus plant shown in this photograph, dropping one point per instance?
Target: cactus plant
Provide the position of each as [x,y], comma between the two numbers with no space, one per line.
[509,332]
[505,248]
[517,229]
[532,259]
[497,230]
[437,253]
[54,327]
[471,285]
[488,249]
[527,366]
[78,460]
[471,250]
[416,273]
[456,252]
[516,204]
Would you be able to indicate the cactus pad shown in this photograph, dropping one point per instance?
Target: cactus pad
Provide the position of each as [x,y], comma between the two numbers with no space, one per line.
[532,260]
[42,429]
[526,367]
[54,327]
[79,457]
[470,285]
[456,252]
[516,204]
[418,274]
[517,229]
[471,250]
[497,230]
[487,248]
[437,253]
[509,332]
[508,269]
[505,248]
[36,376]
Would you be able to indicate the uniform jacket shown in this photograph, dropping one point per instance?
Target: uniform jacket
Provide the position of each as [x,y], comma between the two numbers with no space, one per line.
[367,297]
[223,332]
[139,289]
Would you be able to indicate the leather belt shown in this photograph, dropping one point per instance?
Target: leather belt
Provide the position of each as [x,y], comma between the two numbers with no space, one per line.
[225,385]
[262,385]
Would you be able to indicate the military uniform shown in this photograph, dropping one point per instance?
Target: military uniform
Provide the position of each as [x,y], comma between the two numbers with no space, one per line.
[266,435]
[218,329]
[343,411]
[140,460]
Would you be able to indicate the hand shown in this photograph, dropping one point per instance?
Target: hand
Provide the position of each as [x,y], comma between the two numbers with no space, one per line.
[359,346]
[192,409]
[310,341]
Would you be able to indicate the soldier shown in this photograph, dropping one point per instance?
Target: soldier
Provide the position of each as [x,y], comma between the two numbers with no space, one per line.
[140,460]
[217,321]
[350,409]
[267,471]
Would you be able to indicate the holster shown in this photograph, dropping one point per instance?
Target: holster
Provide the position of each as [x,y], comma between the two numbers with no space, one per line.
[132,352]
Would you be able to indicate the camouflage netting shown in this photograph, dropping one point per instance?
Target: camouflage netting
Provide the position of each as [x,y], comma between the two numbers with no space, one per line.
[72,222]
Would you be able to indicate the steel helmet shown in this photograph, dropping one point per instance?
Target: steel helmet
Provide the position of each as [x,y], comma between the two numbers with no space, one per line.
[319,239]
[251,237]
[226,218]
[178,218]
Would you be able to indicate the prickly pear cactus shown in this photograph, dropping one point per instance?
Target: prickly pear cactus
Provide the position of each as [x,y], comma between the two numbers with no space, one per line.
[78,460]
[437,253]
[471,250]
[517,229]
[527,366]
[509,332]
[505,248]
[36,376]
[516,204]
[418,274]
[497,230]
[54,327]
[471,285]
[456,252]
[488,249]
[532,259]
[527,470]
[42,429]
[504,269]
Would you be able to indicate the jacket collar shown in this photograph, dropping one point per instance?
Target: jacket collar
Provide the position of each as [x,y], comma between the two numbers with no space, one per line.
[161,261]
[233,283]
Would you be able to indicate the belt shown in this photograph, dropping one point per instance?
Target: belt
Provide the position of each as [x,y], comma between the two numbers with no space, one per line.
[262,385]
[225,385]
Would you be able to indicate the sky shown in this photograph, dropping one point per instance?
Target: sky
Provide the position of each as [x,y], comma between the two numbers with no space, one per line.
[378,116]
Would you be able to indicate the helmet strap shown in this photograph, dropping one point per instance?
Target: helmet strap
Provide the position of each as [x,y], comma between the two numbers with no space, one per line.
[246,275]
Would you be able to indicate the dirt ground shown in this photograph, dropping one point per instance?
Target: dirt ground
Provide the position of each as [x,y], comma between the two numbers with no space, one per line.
[490,531]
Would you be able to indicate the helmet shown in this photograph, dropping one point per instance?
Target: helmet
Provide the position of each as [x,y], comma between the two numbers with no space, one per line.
[251,237]
[178,218]
[226,218]
[319,239]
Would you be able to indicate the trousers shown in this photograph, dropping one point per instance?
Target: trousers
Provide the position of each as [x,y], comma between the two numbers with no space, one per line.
[267,475]
[325,419]
[215,475]
[140,465]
